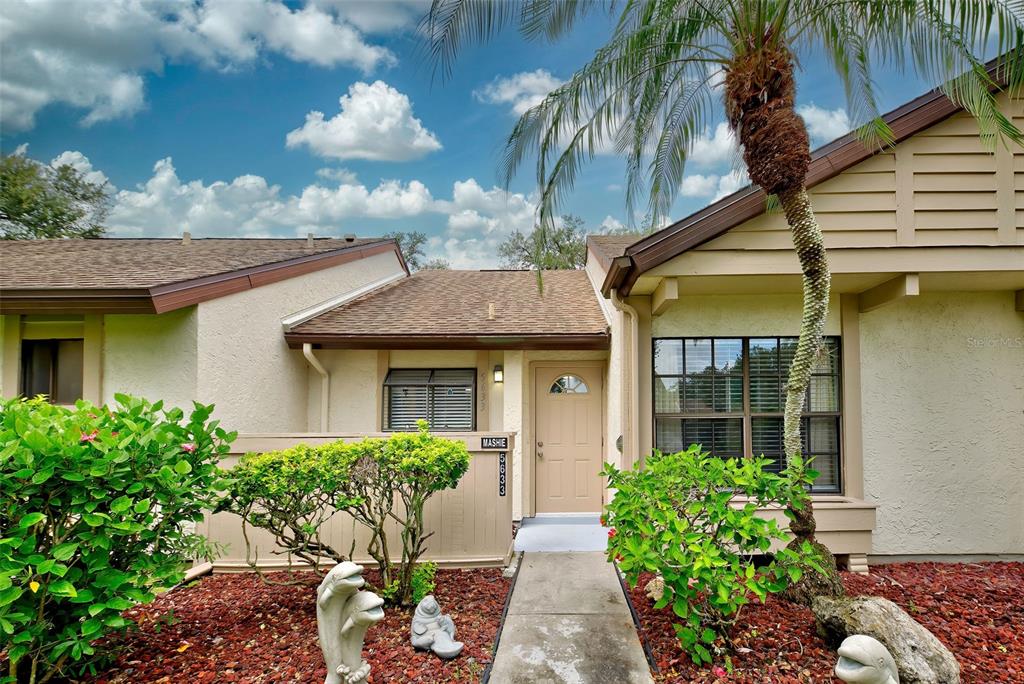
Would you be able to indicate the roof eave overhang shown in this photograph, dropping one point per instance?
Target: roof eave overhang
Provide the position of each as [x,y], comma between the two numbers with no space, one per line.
[173,296]
[616,275]
[77,301]
[596,341]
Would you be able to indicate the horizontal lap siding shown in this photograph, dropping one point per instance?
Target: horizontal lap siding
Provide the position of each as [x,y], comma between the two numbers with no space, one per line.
[942,187]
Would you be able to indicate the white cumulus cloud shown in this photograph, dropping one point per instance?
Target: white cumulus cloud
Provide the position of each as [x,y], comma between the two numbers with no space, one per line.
[375,122]
[698,185]
[250,206]
[340,175]
[520,91]
[94,56]
[824,125]
[477,219]
[711,149]
[712,185]
[610,224]
[80,163]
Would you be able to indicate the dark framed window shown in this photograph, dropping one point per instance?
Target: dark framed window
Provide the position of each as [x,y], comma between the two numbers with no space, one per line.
[728,394]
[444,397]
[53,368]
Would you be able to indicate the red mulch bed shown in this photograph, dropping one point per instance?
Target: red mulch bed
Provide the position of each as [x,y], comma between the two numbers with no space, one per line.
[976,610]
[234,628]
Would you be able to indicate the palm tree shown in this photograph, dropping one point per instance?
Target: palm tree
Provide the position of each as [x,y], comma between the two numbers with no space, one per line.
[651,89]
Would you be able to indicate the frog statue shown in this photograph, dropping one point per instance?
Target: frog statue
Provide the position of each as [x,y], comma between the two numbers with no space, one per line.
[343,614]
[434,631]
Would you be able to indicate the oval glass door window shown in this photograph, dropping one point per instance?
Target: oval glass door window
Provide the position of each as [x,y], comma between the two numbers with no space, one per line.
[569,384]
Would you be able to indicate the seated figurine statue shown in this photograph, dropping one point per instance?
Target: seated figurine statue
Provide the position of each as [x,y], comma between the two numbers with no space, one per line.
[434,631]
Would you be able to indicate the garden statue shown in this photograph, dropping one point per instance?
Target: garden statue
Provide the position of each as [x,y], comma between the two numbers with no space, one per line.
[864,660]
[343,614]
[434,631]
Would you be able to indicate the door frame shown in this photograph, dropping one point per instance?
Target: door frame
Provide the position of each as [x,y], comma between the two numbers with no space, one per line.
[530,440]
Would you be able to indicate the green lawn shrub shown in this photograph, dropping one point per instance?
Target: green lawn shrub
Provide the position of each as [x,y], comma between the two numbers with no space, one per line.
[677,517]
[381,483]
[97,512]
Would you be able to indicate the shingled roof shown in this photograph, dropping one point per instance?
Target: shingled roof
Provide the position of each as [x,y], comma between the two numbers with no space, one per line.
[465,310]
[157,275]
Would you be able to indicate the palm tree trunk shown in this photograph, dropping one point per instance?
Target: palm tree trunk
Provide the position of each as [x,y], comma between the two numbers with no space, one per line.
[810,249]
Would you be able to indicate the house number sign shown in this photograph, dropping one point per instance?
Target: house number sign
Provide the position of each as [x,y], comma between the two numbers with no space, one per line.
[494,442]
[501,473]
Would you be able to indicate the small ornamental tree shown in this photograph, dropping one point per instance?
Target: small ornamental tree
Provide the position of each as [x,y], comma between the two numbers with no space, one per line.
[379,482]
[693,519]
[290,493]
[97,511]
[422,465]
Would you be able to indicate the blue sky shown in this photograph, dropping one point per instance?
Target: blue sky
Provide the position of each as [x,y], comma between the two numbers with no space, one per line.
[201,116]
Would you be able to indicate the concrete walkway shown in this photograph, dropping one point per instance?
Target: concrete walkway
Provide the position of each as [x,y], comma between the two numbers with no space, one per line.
[562,533]
[568,622]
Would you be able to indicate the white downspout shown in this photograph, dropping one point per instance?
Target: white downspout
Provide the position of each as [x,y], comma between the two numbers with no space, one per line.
[325,384]
[631,389]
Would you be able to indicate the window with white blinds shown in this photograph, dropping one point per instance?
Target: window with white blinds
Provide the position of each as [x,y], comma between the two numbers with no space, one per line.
[444,397]
[728,394]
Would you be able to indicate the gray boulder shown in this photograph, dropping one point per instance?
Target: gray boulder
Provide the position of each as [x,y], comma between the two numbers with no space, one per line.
[920,657]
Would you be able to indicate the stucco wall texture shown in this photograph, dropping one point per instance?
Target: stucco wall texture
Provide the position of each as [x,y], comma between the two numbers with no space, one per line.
[943,421]
[244,365]
[152,356]
[943,411]
[738,315]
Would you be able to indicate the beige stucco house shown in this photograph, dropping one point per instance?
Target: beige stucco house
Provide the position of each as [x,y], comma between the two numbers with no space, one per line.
[915,414]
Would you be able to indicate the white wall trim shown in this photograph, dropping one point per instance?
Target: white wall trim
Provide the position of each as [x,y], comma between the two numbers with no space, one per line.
[299,317]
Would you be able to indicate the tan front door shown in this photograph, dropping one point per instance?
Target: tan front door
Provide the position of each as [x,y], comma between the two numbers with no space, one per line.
[568,447]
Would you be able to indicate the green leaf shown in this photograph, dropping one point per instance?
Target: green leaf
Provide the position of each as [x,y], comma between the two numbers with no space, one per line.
[63,588]
[142,506]
[795,573]
[120,504]
[708,635]
[64,551]
[183,467]
[31,519]
[42,476]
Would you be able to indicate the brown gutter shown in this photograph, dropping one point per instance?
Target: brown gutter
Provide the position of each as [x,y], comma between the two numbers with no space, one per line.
[164,298]
[827,162]
[599,341]
[80,301]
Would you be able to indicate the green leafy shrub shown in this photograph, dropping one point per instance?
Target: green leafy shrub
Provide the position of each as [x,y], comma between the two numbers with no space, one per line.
[423,575]
[676,517]
[290,493]
[379,482]
[97,512]
[423,583]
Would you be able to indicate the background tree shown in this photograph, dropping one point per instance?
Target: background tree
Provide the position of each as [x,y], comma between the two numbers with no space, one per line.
[437,264]
[411,246]
[650,89]
[41,201]
[562,247]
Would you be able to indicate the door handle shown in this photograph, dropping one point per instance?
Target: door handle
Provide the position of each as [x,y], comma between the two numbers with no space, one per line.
[540,444]
[540,454]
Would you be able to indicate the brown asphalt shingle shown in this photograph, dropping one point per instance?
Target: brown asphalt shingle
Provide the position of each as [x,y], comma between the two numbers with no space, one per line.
[455,303]
[118,263]
[607,247]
